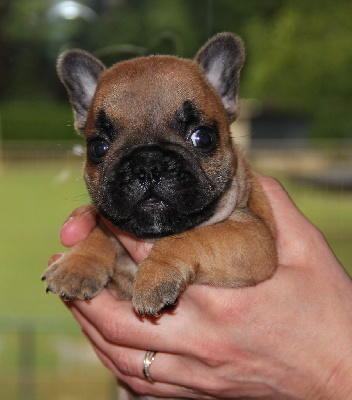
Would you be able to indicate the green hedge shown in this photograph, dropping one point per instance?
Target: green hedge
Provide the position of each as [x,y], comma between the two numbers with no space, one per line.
[36,121]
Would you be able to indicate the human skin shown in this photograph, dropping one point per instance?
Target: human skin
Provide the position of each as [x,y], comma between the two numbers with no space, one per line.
[289,337]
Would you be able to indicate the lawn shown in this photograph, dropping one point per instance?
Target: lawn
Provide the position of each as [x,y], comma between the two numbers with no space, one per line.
[331,212]
[35,200]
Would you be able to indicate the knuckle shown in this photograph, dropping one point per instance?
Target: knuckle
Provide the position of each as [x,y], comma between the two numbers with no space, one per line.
[270,183]
[210,353]
[317,236]
[313,239]
[125,364]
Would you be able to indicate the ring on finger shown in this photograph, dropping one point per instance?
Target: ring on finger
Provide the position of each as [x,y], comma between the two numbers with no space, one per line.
[148,359]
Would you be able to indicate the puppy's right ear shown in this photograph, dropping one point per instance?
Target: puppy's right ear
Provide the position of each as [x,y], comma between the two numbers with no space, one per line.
[79,71]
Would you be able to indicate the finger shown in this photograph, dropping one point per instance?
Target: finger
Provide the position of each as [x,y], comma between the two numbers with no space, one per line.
[118,323]
[138,249]
[295,233]
[280,201]
[78,226]
[142,386]
[128,363]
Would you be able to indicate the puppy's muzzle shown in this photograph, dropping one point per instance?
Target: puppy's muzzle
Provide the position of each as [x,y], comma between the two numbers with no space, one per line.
[155,191]
[150,166]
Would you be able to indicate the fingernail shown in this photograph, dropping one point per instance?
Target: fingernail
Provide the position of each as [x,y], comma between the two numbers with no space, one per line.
[68,220]
[66,223]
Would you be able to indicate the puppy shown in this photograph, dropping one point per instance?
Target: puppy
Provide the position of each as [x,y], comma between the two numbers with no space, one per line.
[161,165]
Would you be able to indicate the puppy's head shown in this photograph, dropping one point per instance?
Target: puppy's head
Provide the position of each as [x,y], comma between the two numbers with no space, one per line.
[159,155]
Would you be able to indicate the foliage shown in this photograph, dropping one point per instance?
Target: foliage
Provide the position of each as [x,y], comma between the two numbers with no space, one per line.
[22,120]
[301,61]
[298,53]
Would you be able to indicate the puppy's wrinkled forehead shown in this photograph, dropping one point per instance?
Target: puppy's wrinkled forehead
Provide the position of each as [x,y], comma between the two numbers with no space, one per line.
[150,89]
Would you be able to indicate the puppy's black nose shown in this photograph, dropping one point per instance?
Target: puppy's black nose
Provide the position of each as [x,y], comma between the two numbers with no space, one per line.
[147,174]
[148,165]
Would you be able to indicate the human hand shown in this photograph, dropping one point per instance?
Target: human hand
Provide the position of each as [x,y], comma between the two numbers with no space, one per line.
[84,219]
[288,337]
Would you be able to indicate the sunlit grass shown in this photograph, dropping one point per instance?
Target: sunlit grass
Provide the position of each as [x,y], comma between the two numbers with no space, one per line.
[331,212]
[34,202]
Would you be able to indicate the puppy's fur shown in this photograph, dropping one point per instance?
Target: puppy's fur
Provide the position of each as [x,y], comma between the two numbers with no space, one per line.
[161,164]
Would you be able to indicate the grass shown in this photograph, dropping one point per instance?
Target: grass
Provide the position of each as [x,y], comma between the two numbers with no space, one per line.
[35,201]
[331,212]
[53,366]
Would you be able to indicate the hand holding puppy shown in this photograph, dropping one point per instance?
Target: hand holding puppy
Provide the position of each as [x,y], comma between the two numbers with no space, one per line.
[287,338]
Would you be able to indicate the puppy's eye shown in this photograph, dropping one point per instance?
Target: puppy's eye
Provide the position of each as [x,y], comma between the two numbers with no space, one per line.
[204,139]
[97,149]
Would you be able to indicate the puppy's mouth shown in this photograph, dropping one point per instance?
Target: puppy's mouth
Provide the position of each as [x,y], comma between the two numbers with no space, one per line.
[154,192]
[152,204]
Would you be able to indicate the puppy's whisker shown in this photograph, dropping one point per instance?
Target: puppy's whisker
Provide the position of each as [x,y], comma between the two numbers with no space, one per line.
[78,197]
[90,209]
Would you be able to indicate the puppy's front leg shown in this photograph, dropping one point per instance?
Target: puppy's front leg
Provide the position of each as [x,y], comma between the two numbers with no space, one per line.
[240,251]
[85,269]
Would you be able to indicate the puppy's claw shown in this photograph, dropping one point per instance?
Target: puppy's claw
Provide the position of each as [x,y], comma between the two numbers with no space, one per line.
[87,297]
[170,304]
[43,278]
[65,296]
[154,314]
[143,313]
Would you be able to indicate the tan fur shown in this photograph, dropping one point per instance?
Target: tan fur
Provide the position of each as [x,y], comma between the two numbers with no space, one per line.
[85,269]
[239,251]
[235,247]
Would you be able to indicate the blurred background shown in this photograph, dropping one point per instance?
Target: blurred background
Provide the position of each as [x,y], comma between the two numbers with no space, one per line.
[295,124]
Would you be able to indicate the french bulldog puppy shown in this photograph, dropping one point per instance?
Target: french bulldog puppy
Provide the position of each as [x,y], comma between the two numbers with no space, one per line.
[161,165]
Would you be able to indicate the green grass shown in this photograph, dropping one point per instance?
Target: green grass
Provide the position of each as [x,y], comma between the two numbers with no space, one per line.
[331,212]
[35,200]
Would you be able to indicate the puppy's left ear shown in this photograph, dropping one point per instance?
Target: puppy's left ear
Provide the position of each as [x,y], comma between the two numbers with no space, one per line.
[221,60]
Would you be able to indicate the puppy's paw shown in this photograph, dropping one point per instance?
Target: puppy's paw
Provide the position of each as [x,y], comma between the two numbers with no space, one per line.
[155,288]
[76,276]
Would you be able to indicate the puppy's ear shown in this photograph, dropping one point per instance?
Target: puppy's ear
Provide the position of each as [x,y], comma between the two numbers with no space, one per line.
[221,60]
[79,71]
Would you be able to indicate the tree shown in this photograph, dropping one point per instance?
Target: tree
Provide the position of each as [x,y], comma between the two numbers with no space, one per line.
[301,60]
[299,56]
